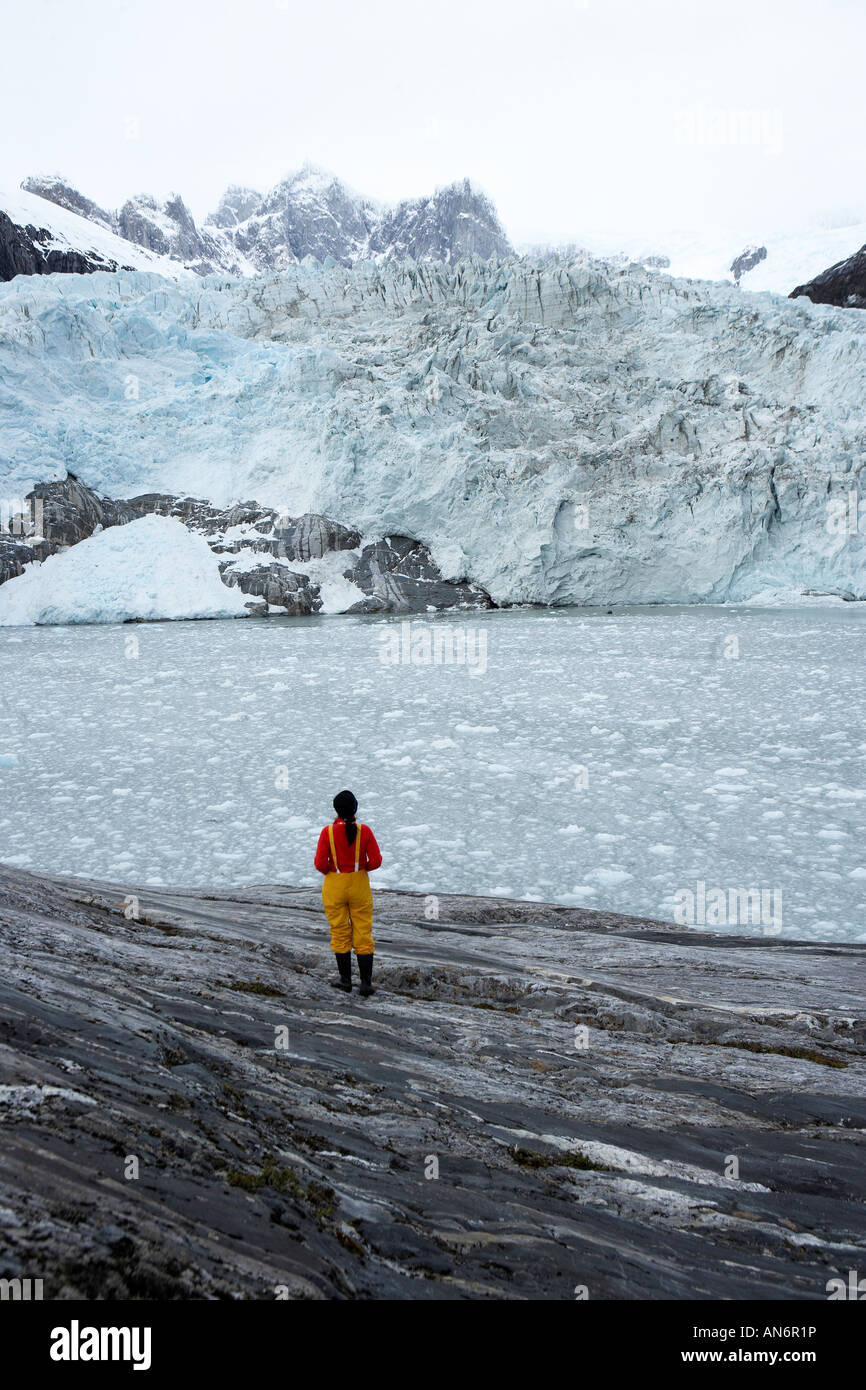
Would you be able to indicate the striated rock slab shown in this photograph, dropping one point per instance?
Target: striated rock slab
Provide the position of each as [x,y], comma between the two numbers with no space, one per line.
[398,575]
[538,1100]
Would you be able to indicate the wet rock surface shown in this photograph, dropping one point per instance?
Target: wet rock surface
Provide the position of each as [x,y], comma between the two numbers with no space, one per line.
[609,1103]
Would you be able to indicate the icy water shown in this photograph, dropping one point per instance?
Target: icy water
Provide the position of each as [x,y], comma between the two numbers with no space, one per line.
[614,762]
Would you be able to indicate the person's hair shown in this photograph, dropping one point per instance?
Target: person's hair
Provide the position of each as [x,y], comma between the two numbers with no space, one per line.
[345,804]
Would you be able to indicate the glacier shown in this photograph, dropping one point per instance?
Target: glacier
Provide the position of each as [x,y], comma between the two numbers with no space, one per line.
[559,432]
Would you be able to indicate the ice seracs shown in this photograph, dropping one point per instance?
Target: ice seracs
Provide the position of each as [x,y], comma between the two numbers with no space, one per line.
[557,432]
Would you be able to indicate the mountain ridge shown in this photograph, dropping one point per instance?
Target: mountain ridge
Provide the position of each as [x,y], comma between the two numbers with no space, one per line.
[311,212]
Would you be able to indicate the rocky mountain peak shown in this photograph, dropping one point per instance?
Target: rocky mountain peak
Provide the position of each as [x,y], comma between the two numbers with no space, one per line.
[311,212]
[55,188]
[748,258]
[455,221]
[236,205]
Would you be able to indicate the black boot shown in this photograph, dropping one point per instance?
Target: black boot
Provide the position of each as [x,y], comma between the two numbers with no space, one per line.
[344,965]
[365,970]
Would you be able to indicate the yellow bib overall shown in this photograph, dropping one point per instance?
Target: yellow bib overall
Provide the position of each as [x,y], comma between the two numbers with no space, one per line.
[348,904]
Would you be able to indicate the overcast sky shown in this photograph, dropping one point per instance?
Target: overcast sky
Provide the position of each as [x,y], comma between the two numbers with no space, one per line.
[574,115]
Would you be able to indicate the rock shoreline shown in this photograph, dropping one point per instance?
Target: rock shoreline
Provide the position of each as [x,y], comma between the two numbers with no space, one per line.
[612,1105]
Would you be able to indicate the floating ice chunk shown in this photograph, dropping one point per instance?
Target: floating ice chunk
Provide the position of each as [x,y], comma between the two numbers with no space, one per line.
[610,878]
[150,569]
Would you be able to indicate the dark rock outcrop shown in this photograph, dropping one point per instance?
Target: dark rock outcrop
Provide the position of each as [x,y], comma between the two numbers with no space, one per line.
[28,250]
[398,575]
[747,260]
[277,585]
[15,554]
[844,284]
[71,511]
[538,1099]
[57,515]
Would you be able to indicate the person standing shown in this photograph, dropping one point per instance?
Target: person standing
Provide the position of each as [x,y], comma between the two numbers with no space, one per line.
[346,855]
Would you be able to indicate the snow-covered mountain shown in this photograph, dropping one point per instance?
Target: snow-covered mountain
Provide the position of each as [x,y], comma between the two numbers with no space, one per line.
[311,213]
[562,432]
[166,229]
[39,237]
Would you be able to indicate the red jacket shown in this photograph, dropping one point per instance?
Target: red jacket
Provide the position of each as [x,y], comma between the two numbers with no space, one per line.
[371,856]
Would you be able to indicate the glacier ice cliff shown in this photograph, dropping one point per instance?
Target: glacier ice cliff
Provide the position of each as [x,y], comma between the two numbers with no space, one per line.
[556,432]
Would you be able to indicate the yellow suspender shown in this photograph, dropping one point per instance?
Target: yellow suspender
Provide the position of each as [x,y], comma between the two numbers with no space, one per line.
[357,848]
